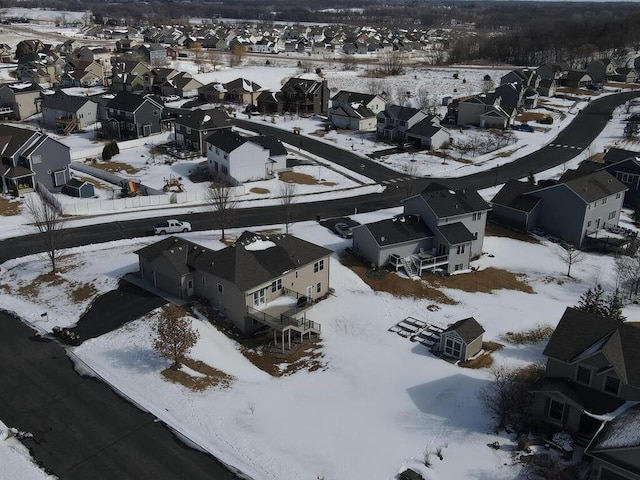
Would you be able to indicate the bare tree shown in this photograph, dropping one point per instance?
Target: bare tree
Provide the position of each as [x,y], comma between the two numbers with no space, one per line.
[423,99]
[199,56]
[410,170]
[222,200]
[570,256]
[390,63]
[487,84]
[214,59]
[627,271]
[174,335]
[287,198]
[349,63]
[47,217]
[237,55]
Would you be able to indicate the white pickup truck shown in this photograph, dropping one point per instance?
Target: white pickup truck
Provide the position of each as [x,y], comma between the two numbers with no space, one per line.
[171,226]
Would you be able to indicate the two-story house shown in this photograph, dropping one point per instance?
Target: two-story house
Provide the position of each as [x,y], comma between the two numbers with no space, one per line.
[573,209]
[29,158]
[394,121]
[133,116]
[592,369]
[68,112]
[128,75]
[485,111]
[234,159]
[182,84]
[191,128]
[298,95]
[241,91]
[19,100]
[259,280]
[439,228]
[355,111]
[602,70]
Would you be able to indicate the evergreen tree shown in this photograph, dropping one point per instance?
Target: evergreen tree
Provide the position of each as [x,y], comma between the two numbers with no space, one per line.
[614,307]
[592,301]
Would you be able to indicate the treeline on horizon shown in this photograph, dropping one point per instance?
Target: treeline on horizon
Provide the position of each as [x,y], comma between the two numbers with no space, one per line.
[523,33]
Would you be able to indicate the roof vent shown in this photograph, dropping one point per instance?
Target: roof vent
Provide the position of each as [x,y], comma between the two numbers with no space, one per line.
[382,239]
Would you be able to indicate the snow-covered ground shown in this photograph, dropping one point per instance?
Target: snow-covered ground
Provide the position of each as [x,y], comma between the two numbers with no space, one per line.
[15,461]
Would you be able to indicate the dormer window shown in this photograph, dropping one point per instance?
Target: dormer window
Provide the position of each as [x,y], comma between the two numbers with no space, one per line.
[611,385]
[583,375]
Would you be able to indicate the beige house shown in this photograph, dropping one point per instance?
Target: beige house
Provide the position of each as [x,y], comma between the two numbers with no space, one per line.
[261,280]
[462,340]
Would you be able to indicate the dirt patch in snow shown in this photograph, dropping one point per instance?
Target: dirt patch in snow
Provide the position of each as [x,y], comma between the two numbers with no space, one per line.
[495,230]
[9,207]
[484,281]
[115,167]
[259,190]
[207,376]
[303,179]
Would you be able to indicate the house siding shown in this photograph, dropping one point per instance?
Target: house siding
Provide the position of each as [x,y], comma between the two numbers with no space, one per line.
[55,157]
[566,223]
[24,104]
[601,469]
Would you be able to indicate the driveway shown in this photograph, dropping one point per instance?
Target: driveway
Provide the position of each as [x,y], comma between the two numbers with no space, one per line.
[81,428]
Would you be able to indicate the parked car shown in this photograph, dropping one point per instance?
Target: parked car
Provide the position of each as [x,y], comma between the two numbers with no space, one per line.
[171,226]
[524,128]
[343,230]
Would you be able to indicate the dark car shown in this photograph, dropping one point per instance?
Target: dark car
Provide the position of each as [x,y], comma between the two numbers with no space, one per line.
[524,128]
[343,230]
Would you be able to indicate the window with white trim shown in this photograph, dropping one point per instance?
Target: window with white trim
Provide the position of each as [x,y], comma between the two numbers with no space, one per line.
[460,249]
[276,285]
[612,215]
[452,347]
[319,265]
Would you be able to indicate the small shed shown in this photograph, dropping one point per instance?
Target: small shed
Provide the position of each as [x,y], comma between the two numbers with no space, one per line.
[410,474]
[462,340]
[79,188]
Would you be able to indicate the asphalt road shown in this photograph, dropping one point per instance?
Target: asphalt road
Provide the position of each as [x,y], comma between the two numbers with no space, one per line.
[81,428]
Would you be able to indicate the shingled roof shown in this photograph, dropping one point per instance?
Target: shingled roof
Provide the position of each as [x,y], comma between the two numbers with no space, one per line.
[469,329]
[580,334]
[402,228]
[449,203]
[66,103]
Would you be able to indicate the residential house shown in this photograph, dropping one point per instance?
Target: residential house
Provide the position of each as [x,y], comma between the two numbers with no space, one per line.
[6,53]
[298,95]
[235,159]
[625,75]
[523,77]
[547,87]
[83,73]
[133,116]
[212,92]
[602,70]
[128,75]
[394,121]
[577,79]
[191,128]
[242,91]
[30,158]
[68,112]
[26,48]
[182,84]
[439,228]
[19,100]
[429,134]
[154,79]
[592,370]
[573,209]
[462,340]
[553,71]
[261,280]
[485,111]
[615,449]
[355,111]
[153,54]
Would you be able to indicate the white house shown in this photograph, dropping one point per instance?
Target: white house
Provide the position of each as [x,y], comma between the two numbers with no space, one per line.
[235,159]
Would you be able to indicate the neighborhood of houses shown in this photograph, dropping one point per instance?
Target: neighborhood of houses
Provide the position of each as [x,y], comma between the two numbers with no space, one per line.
[272,281]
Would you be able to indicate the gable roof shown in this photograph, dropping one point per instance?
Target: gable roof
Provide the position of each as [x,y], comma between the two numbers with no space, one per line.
[18,87]
[402,113]
[425,128]
[455,233]
[469,329]
[253,260]
[13,138]
[226,140]
[271,143]
[621,432]
[580,334]
[204,119]
[449,203]
[129,102]
[355,110]
[61,101]
[614,155]
[595,186]
[399,229]
[344,96]
[513,195]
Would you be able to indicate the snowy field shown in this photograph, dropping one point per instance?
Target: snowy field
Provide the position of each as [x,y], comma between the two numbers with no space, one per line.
[379,401]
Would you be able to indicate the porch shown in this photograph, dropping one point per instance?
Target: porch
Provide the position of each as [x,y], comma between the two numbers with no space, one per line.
[19,181]
[415,264]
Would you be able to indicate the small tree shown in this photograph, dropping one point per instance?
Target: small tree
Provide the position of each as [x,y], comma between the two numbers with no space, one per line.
[592,301]
[237,55]
[222,200]
[174,335]
[614,307]
[570,256]
[47,217]
[109,151]
[287,193]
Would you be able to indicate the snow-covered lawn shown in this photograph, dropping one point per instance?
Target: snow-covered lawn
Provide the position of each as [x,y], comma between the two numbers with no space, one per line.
[15,461]
[379,401]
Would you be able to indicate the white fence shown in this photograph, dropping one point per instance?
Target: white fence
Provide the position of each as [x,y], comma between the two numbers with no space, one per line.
[138,142]
[92,206]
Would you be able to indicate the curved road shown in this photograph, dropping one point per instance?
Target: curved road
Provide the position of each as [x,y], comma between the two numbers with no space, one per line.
[84,430]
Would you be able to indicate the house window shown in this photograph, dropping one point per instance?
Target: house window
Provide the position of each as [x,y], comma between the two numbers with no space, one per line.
[611,385]
[59,178]
[588,223]
[604,200]
[217,151]
[475,235]
[612,215]
[225,170]
[556,410]
[319,265]
[276,285]
[460,249]
[204,281]
[618,195]
[452,347]
[318,287]
[156,113]
[458,266]
[625,178]
[226,157]
[220,288]
[476,216]
[36,159]
[583,375]
[296,274]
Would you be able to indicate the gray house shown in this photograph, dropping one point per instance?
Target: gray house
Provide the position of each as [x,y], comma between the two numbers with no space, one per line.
[191,128]
[462,339]
[615,449]
[260,280]
[573,209]
[394,121]
[592,369]
[133,116]
[68,112]
[440,228]
[19,100]
[29,158]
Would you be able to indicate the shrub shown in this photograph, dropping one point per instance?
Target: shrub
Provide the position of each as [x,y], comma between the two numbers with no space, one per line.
[109,151]
[534,335]
[546,120]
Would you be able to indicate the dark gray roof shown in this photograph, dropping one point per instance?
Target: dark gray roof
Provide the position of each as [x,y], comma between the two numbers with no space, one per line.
[424,128]
[13,138]
[581,333]
[242,85]
[128,102]
[76,183]
[595,186]
[469,329]
[61,101]
[226,140]
[348,110]
[398,229]
[402,113]
[456,233]
[204,119]
[514,195]
[344,96]
[586,398]
[18,87]
[301,86]
[614,155]
[271,143]
[449,203]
